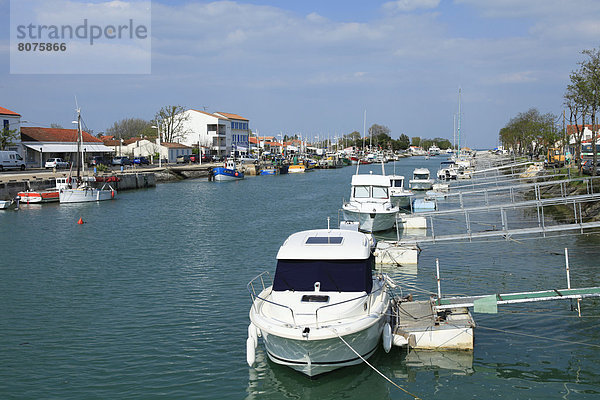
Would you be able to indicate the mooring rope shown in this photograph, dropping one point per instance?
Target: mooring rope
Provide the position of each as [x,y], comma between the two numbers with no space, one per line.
[538,336]
[375,369]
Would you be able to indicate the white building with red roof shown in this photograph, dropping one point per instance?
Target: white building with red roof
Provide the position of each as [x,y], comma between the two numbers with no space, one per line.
[11,121]
[40,144]
[218,133]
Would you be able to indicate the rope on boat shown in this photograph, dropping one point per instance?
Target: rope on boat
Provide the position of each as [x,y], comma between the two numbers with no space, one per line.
[538,336]
[373,368]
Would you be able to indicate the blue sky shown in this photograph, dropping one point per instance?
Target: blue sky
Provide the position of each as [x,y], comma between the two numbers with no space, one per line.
[313,67]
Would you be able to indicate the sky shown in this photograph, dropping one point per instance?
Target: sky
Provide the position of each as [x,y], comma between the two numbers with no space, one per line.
[313,67]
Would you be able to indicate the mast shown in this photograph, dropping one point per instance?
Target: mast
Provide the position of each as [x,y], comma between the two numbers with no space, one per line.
[364,129]
[459,93]
[79,140]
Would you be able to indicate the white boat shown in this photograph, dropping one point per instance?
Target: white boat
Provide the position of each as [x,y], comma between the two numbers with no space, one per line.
[77,189]
[434,150]
[448,171]
[5,204]
[421,180]
[398,195]
[325,303]
[370,203]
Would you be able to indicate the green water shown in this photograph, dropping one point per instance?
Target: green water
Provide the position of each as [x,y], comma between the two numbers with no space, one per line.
[148,300]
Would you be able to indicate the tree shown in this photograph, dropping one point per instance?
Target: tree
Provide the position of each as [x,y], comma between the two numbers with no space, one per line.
[56,126]
[130,127]
[576,102]
[6,138]
[380,135]
[415,141]
[403,142]
[172,123]
[590,72]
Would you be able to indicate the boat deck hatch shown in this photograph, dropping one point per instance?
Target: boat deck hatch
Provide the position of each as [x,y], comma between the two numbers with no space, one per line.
[324,240]
[315,298]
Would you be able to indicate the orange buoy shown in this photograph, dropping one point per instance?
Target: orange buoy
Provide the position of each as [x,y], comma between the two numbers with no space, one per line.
[80,222]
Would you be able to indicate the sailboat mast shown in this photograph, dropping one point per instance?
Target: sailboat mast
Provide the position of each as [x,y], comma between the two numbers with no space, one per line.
[459,93]
[79,139]
[364,129]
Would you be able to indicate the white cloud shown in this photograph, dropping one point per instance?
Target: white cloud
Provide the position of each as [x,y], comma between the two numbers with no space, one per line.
[410,5]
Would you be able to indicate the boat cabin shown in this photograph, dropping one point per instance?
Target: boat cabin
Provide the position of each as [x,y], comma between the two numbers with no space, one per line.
[397,181]
[324,260]
[421,174]
[370,187]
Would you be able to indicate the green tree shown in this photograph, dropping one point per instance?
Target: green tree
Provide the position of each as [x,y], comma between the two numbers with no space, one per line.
[403,142]
[415,141]
[6,138]
[131,127]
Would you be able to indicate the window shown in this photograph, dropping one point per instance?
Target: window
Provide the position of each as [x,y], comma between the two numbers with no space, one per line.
[324,240]
[6,124]
[361,192]
[380,192]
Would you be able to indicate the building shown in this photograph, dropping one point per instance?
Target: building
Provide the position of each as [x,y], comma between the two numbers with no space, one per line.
[12,121]
[240,131]
[170,151]
[221,133]
[40,144]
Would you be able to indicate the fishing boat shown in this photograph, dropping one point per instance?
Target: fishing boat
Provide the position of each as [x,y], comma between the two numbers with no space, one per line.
[79,189]
[227,173]
[325,303]
[398,195]
[296,169]
[268,171]
[370,203]
[6,204]
[421,180]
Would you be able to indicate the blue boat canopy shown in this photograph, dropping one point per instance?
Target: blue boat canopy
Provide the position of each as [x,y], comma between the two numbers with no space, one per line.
[333,275]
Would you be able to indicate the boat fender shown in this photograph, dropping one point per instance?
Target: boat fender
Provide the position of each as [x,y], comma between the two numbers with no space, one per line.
[250,352]
[387,337]
[252,333]
[236,174]
[112,194]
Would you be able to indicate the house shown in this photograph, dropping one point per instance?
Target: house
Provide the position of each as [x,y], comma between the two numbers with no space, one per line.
[240,131]
[12,121]
[220,132]
[170,151]
[40,144]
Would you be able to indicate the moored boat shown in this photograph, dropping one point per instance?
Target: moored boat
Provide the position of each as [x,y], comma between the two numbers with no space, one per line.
[324,304]
[295,169]
[370,203]
[421,180]
[398,195]
[227,173]
[39,196]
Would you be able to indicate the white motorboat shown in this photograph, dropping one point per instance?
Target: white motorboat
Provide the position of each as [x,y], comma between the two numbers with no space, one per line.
[370,203]
[421,179]
[398,195]
[448,171]
[6,204]
[325,303]
[77,189]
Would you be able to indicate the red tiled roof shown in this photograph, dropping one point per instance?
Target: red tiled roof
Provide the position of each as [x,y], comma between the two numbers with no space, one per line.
[232,116]
[571,129]
[209,114]
[175,145]
[131,140]
[6,111]
[107,137]
[112,142]
[35,134]
[273,144]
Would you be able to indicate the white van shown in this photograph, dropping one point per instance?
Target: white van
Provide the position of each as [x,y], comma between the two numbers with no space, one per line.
[11,159]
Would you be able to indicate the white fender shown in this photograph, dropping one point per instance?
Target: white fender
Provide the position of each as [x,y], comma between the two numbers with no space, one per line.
[387,337]
[253,334]
[250,351]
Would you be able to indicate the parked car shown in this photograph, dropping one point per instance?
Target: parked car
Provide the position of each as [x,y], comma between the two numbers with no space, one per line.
[206,158]
[183,159]
[56,163]
[141,161]
[122,160]
[97,160]
[587,167]
[11,159]
[218,158]
[194,158]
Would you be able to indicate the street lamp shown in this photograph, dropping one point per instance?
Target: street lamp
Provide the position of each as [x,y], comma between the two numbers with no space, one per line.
[159,146]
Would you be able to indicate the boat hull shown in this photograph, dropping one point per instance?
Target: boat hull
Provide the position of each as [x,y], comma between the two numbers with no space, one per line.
[46,196]
[296,169]
[401,200]
[371,222]
[420,185]
[84,195]
[315,357]
[226,174]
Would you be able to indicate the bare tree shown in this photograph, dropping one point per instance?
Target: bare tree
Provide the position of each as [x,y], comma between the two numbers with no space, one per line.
[130,127]
[578,109]
[590,72]
[171,120]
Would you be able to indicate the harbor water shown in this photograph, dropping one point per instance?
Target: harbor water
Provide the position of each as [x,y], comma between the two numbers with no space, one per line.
[148,299]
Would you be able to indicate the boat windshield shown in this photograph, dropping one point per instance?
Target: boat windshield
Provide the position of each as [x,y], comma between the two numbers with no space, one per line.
[380,192]
[421,176]
[333,275]
[361,192]
[397,183]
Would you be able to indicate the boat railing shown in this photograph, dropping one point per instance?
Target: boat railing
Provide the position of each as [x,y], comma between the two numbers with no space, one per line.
[251,286]
[369,296]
